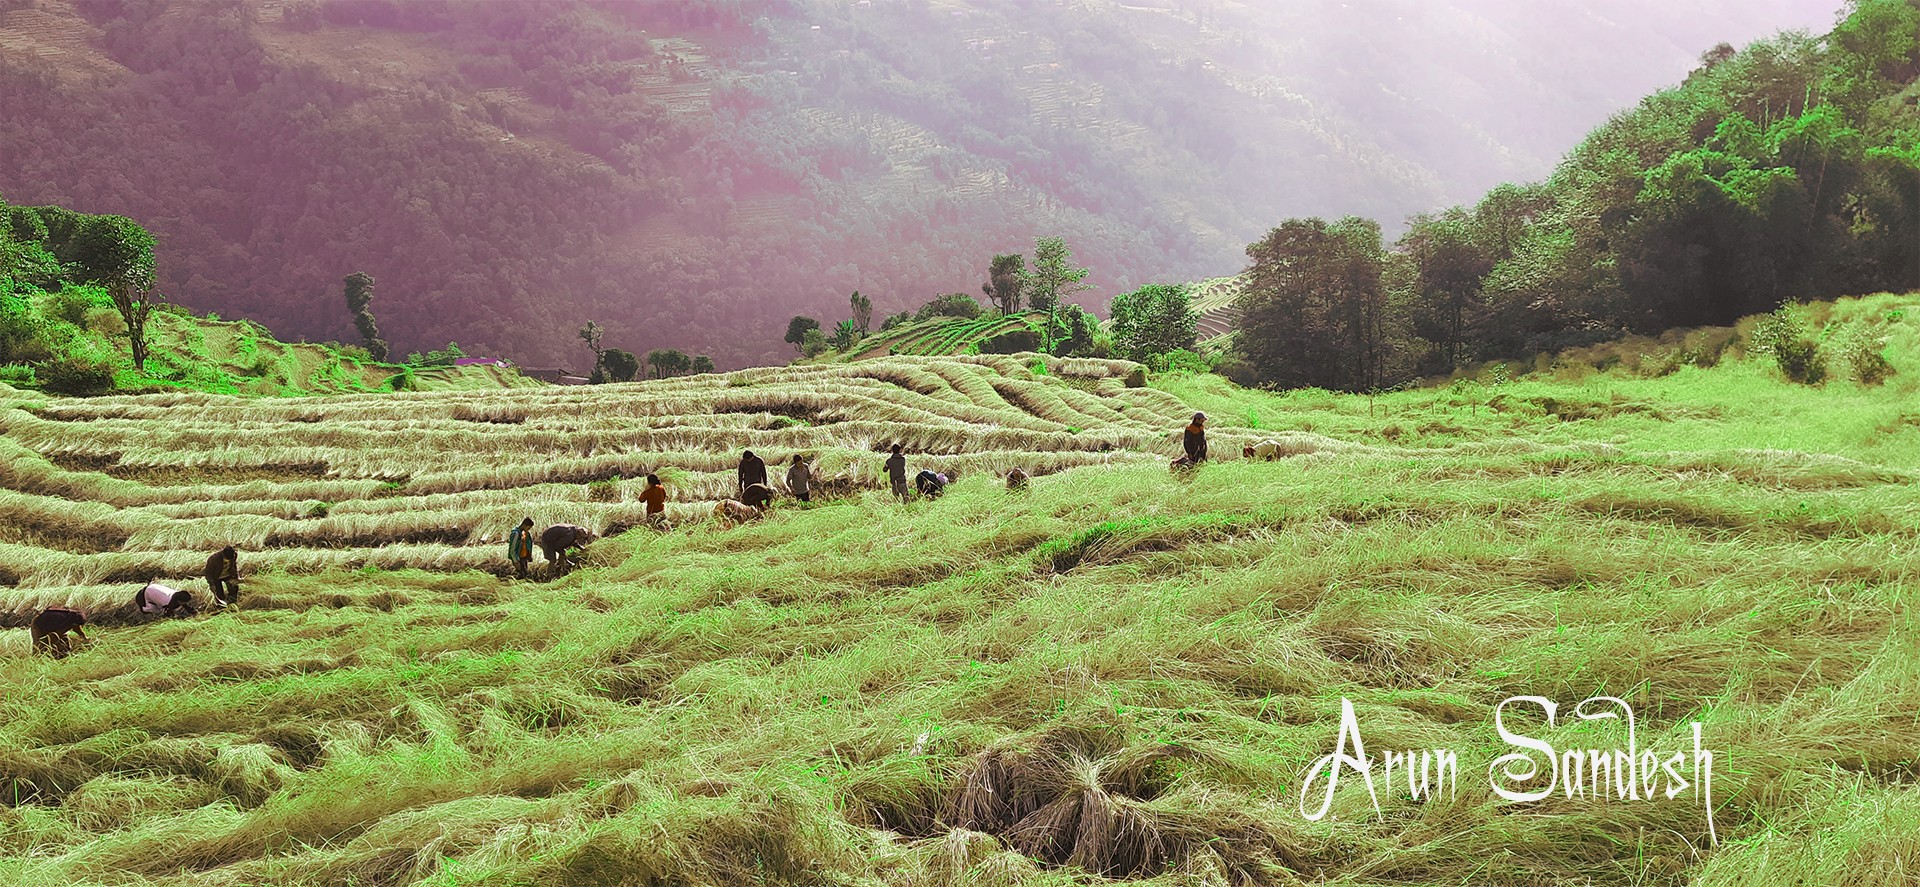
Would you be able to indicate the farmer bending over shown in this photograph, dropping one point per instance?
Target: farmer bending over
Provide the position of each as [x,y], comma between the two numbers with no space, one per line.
[757,496]
[157,598]
[50,627]
[929,484]
[223,576]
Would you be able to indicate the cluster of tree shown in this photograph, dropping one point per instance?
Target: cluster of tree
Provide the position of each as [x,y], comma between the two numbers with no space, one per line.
[618,365]
[1012,287]
[1785,171]
[76,263]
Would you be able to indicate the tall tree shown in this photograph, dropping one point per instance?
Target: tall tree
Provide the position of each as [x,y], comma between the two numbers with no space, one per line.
[116,253]
[862,311]
[702,364]
[1153,320]
[1313,309]
[1052,279]
[359,294]
[1445,300]
[1005,280]
[797,332]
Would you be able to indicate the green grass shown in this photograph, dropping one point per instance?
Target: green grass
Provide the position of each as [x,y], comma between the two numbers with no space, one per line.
[1147,663]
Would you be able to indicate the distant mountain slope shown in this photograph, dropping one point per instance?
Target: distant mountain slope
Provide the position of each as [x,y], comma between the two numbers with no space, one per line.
[690,174]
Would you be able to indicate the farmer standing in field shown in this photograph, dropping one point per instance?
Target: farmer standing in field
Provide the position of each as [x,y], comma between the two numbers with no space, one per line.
[753,470]
[223,576]
[897,473]
[800,479]
[1195,440]
[655,496]
[520,547]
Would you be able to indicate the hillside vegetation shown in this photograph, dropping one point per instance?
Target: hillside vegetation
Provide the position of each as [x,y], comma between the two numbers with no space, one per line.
[692,173]
[1787,170]
[1117,672]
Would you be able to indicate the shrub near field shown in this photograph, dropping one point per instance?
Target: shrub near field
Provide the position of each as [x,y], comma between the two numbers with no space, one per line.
[1115,672]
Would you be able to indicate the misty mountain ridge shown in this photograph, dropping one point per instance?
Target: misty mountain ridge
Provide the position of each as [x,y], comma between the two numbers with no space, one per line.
[691,175]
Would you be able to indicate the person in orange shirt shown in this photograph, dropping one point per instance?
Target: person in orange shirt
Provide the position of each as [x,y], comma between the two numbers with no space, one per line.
[655,496]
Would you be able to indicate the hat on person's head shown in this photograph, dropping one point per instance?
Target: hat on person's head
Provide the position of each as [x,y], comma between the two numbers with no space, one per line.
[1199,418]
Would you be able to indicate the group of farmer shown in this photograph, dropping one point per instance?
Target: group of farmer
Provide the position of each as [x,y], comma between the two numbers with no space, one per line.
[50,626]
[561,542]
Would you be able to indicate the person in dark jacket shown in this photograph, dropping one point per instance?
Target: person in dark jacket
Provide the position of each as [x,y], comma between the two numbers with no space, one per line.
[753,470]
[758,496]
[560,540]
[49,630]
[897,473]
[1195,440]
[223,576]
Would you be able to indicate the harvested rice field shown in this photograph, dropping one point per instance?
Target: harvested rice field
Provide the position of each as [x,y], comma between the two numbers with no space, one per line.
[1118,675]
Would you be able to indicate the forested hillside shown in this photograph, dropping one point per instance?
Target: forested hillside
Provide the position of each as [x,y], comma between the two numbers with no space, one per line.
[691,174]
[1787,171]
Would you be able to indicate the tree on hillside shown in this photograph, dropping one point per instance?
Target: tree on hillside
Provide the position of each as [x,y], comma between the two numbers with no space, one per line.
[1005,278]
[618,365]
[668,362]
[6,247]
[702,364]
[591,334]
[814,343]
[1052,278]
[950,305]
[845,334]
[1447,271]
[862,311]
[797,332]
[1313,310]
[1153,320]
[359,294]
[116,253]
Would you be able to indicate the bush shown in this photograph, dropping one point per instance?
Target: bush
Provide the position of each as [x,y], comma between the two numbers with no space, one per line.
[81,370]
[1863,355]
[1782,335]
[16,374]
[1013,341]
[1180,360]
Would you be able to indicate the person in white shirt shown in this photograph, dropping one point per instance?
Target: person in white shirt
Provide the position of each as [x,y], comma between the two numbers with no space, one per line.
[165,600]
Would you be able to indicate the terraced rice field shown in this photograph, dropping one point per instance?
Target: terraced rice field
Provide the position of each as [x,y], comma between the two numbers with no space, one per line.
[1216,301]
[940,336]
[99,495]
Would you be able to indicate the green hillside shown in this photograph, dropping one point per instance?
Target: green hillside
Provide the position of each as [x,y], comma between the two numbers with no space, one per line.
[943,336]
